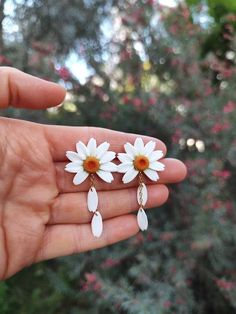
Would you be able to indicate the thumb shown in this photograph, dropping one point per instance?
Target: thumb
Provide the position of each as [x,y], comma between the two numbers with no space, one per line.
[22,90]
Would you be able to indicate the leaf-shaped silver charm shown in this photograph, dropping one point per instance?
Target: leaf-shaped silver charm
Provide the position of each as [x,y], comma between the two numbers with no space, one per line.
[142,219]
[144,194]
[97,224]
[92,199]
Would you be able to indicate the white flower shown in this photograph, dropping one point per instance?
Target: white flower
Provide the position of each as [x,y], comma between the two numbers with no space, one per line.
[139,158]
[91,159]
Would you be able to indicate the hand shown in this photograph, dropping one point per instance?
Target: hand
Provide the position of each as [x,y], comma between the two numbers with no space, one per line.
[42,214]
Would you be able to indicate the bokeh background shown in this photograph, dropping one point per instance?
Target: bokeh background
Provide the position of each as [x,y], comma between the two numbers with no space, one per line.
[165,69]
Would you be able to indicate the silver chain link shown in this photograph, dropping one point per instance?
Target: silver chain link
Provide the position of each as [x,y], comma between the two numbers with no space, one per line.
[91,177]
[140,190]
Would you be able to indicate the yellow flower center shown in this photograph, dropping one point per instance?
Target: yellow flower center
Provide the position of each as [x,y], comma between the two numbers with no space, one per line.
[91,164]
[141,163]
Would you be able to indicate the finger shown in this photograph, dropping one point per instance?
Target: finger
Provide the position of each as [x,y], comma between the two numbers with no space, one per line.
[22,90]
[63,138]
[72,207]
[61,240]
[175,171]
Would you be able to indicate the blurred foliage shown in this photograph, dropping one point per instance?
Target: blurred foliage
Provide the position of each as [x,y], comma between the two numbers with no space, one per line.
[152,75]
[222,26]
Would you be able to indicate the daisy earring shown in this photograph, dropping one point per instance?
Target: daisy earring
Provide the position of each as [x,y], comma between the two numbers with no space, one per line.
[139,160]
[87,162]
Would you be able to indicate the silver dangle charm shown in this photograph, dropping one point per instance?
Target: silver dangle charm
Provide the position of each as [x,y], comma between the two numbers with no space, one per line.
[90,160]
[140,159]
[142,197]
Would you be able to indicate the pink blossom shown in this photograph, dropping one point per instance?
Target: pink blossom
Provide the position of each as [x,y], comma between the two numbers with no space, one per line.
[208,91]
[167,304]
[174,29]
[126,99]
[217,204]
[137,102]
[64,73]
[91,283]
[110,262]
[227,73]
[4,60]
[91,277]
[224,284]
[152,101]
[223,174]
[219,127]
[149,236]
[176,136]
[229,107]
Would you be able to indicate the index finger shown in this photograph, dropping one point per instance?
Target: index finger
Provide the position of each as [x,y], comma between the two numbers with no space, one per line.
[22,90]
[63,138]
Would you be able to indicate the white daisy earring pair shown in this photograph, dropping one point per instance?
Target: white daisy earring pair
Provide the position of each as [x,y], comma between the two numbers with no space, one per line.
[139,160]
[89,161]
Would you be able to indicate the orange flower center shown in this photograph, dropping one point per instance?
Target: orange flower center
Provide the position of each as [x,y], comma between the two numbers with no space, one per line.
[91,164]
[141,163]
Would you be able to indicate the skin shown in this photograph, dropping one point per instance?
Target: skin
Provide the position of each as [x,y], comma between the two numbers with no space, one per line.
[42,214]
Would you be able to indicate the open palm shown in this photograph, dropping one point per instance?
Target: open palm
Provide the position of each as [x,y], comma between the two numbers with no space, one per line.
[42,214]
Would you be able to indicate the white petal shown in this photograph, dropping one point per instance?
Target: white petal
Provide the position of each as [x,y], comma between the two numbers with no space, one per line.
[109,166]
[73,167]
[139,146]
[108,156]
[92,146]
[106,176]
[97,225]
[149,147]
[151,174]
[123,157]
[130,150]
[73,156]
[156,165]
[124,167]
[102,148]
[130,175]
[144,194]
[80,177]
[82,150]
[92,199]
[142,219]
[157,154]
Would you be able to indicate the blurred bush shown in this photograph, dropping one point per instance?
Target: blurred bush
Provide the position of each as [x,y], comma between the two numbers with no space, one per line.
[166,72]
